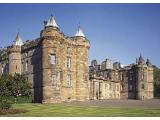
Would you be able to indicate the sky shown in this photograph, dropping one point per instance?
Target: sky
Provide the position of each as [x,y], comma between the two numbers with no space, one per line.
[120,32]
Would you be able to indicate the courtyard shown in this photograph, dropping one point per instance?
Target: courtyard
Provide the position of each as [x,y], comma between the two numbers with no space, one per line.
[101,108]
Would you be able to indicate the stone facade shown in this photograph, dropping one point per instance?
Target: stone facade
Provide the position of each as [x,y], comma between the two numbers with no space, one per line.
[57,67]
[130,82]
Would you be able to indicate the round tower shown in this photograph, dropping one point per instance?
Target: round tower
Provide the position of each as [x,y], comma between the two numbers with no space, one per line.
[144,79]
[15,56]
[51,36]
[150,80]
[82,82]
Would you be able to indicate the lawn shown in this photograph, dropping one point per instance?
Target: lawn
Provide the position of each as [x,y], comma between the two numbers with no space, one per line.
[61,110]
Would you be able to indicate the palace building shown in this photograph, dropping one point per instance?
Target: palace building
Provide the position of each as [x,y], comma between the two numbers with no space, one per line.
[134,81]
[57,66]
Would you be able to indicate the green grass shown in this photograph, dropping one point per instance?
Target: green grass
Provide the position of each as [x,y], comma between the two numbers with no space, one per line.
[61,110]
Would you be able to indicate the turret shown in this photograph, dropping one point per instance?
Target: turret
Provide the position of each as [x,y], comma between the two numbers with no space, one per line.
[82,83]
[148,63]
[94,63]
[15,56]
[51,22]
[144,79]
[80,38]
[141,60]
[50,28]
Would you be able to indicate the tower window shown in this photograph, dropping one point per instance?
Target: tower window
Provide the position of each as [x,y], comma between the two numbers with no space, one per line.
[122,87]
[54,79]
[26,54]
[130,87]
[69,84]
[130,76]
[117,87]
[142,76]
[143,86]
[61,75]
[110,86]
[26,65]
[68,50]
[2,69]
[52,58]
[68,62]
[106,86]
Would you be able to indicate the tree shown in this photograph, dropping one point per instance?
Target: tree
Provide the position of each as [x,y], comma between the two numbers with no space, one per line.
[12,87]
[4,55]
[5,93]
[20,87]
[156,74]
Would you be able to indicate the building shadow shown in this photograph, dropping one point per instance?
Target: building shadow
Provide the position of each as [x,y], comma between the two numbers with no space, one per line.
[36,61]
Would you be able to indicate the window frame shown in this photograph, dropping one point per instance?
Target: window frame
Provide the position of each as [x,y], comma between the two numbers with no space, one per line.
[69,80]
[52,59]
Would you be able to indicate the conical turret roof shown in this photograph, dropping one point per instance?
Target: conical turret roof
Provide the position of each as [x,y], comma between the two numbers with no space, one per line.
[79,32]
[148,62]
[51,22]
[141,60]
[18,40]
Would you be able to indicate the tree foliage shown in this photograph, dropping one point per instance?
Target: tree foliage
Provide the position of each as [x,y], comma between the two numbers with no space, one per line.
[156,74]
[12,87]
[4,55]
[20,86]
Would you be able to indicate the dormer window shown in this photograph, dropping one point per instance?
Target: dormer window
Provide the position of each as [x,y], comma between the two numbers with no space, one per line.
[52,59]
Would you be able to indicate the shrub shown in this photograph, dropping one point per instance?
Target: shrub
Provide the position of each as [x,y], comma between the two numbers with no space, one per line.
[5,104]
[24,99]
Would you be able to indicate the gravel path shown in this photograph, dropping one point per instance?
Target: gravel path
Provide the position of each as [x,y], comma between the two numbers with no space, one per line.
[155,103]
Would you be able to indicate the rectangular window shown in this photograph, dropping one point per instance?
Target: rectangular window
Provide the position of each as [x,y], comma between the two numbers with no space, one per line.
[110,86]
[122,87]
[142,76]
[69,84]
[26,65]
[143,86]
[106,87]
[130,76]
[130,87]
[61,75]
[2,69]
[117,87]
[68,50]
[54,79]
[52,58]
[26,54]
[68,62]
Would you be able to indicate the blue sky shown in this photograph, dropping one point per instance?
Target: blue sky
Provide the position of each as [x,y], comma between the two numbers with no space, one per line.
[116,31]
